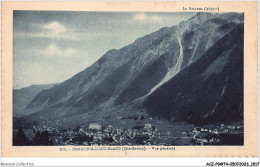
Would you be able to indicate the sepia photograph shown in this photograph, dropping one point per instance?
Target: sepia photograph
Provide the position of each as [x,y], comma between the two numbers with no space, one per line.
[127,78]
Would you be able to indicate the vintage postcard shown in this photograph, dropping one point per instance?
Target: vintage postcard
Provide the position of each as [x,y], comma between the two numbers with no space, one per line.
[129,79]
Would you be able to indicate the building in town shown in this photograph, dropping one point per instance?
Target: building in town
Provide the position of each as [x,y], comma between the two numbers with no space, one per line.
[94,126]
[148,126]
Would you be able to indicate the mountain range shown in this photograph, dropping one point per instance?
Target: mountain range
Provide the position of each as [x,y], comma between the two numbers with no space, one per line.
[23,96]
[190,72]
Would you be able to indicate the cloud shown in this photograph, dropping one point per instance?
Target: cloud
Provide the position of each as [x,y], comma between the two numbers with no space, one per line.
[147,18]
[53,50]
[51,35]
[53,30]
[55,27]
[57,31]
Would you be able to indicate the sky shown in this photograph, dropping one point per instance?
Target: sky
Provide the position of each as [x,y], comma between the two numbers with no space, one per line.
[53,46]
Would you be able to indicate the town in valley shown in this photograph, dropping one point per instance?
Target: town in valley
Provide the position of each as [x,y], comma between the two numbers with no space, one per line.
[96,134]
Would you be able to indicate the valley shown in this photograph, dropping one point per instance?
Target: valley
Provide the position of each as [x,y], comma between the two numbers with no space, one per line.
[165,88]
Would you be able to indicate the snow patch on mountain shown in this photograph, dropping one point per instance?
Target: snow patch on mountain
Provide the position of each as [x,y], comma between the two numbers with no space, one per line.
[193,52]
[46,101]
[172,71]
[64,99]
[222,93]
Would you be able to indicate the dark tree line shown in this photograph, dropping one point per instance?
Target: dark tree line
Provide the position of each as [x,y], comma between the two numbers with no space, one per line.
[40,139]
[20,139]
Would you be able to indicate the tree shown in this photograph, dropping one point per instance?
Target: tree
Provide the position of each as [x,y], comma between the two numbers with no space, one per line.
[20,139]
[76,128]
[82,138]
[42,138]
